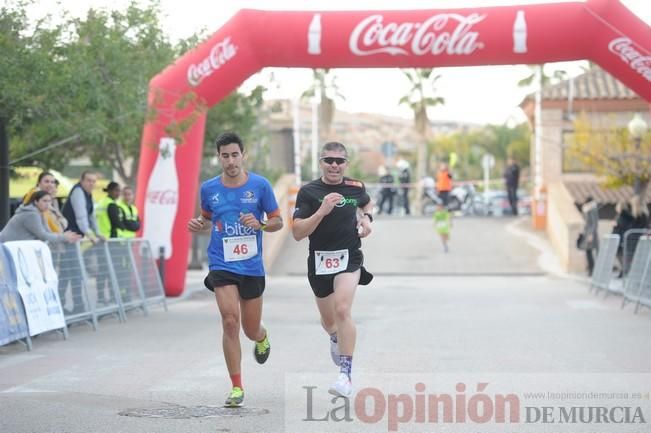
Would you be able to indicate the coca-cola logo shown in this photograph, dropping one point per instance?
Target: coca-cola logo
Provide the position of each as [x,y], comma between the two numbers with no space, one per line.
[623,47]
[219,55]
[372,36]
[164,197]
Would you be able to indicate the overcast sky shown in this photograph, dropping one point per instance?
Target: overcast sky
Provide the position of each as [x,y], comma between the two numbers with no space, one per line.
[468,98]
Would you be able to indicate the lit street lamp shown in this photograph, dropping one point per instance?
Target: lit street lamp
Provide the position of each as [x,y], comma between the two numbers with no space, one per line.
[637,127]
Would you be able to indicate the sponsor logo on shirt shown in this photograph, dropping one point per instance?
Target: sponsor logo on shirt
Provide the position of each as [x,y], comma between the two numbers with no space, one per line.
[233,229]
[343,202]
[248,197]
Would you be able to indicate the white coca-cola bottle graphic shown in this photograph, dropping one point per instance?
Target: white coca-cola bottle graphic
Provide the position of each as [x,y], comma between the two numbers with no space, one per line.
[314,35]
[519,33]
[161,200]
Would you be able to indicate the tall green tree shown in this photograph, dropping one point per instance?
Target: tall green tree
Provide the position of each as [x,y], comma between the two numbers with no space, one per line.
[613,154]
[97,71]
[29,51]
[111,58]
[240,113]
[470,146]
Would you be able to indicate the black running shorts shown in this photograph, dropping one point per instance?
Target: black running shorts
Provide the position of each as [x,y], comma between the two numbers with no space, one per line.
[249,287]
[323,285]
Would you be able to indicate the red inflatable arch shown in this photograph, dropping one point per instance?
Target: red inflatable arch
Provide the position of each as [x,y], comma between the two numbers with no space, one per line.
[603,31]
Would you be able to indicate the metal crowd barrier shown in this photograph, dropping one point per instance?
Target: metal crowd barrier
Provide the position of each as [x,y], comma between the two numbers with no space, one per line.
[639,273]
[107,279]
[73,282]
[629,243]
[602,274]
[147,277]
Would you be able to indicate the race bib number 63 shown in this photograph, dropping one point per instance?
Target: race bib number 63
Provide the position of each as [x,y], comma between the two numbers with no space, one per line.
[330,262]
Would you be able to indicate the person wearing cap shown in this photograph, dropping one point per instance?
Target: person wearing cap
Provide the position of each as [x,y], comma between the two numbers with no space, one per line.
[335,212]
[109,216]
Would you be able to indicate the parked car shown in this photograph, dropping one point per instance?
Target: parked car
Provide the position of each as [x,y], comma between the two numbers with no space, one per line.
[496,203]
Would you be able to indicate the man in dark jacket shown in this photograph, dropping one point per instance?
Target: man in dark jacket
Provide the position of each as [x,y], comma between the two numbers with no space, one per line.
[79,211]
[405,178]
[590,242]
[387,190]
[512,179]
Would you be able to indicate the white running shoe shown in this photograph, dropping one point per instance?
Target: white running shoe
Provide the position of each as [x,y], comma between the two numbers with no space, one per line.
[343,387]
[334,353]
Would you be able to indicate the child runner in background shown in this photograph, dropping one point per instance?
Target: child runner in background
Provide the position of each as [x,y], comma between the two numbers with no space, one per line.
[443,224]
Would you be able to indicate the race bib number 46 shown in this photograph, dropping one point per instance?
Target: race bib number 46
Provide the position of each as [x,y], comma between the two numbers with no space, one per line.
[330,262]
[240,248]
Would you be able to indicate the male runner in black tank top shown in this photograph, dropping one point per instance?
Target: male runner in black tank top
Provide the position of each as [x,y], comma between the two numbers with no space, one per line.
[335,212]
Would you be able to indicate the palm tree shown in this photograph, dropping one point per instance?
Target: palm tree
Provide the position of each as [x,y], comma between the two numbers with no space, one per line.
[419,98]
[556,76]
[325,84]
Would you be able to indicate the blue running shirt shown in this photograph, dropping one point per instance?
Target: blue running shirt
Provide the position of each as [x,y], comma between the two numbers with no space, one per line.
[233,246]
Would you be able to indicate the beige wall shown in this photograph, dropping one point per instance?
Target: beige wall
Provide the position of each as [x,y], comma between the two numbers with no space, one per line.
[272,243]
[564,221]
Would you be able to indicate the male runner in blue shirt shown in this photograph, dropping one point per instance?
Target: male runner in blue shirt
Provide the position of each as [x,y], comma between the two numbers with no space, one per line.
[233,207]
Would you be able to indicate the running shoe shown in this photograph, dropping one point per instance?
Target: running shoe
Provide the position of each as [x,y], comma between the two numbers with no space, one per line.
[235,398]
[343,387]
[261,349]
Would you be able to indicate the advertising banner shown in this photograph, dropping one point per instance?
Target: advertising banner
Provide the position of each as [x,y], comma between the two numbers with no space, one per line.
[13,323]
[37,283]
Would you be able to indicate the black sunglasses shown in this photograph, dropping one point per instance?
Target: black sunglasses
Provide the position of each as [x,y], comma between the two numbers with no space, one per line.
[330,159]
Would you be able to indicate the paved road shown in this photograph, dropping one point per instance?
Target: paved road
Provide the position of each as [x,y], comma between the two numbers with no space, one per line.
[492,305]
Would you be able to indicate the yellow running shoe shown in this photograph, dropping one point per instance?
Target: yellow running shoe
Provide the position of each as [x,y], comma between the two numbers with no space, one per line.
[261,349]
[235,398]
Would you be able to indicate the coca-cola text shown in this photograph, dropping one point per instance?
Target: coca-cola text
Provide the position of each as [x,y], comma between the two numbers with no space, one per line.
[164,197]
[624,48]
[372,36]
[219,55]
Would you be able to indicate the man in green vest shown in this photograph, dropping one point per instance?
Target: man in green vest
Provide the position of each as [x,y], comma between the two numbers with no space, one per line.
[130,219]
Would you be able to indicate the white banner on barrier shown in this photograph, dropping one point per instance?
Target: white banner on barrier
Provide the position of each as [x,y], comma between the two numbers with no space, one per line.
[38,285]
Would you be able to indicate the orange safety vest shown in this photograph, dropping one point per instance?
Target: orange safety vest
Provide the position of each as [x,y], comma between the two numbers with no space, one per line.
[443,181]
